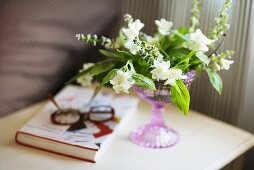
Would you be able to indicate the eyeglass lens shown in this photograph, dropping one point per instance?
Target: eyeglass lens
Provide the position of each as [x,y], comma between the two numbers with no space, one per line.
[65,116]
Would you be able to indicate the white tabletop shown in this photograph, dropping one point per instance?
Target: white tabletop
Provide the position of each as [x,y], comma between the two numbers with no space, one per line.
[205,143]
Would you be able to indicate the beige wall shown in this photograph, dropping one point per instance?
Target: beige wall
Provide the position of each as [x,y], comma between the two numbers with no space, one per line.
[246,117]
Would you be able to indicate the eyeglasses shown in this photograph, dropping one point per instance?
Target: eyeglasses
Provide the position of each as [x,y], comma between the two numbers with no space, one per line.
[96,114]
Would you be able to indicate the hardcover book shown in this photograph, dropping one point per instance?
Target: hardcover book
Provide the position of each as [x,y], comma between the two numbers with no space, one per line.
[86,142]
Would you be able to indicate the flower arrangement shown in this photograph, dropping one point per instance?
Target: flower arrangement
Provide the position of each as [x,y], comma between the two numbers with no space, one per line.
[135,58]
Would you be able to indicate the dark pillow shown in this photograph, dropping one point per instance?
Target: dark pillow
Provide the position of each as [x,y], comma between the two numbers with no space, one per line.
[38,48]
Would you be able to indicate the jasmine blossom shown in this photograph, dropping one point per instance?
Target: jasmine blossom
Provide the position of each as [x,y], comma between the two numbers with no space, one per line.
[122,82]
[132,47]
[221,60]
[132,30]
[225,64]
[86,80]
[152,40]
[128,18]
[198,41]
[131,33]
[173,75]
[161,70]
[164,26]
[136,25]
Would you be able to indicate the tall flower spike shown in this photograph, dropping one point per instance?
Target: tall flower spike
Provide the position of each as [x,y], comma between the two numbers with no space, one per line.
[93,39]
[195,15]
[221,22]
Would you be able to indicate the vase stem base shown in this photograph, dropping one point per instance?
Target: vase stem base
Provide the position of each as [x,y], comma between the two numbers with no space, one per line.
[154,136]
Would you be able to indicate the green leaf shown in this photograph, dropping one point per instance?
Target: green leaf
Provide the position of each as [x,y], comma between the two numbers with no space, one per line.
[180,96]
[203,58]
[187,59]
[184,37]
[98,68]
[111,74]
[125,54]
[192,53]
[215,80]
[183,67]
[183,30]
[111,55]
[143,81]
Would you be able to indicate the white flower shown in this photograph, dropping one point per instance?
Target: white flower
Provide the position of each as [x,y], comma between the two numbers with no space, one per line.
[176,74]
[136,25]
[197,46]
[86,80]
[225,64]
[87,65]
[130,33]
[173,75]
[121,88]
[198,41]
[132,47]
[161,70]
[133,29]
[164,26]
[152,40]
[200,37]
[160,56]
[158,63]
[122,82]
[171,82]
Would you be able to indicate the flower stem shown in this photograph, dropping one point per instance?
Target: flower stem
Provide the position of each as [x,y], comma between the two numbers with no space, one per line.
[215,50]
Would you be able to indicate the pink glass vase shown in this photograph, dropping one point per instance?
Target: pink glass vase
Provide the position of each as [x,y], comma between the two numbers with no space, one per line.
[156,134]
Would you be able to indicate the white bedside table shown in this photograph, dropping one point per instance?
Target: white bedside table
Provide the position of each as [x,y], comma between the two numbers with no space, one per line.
[205,143]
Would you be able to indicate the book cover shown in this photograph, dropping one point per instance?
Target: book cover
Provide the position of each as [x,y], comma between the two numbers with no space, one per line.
[83,142]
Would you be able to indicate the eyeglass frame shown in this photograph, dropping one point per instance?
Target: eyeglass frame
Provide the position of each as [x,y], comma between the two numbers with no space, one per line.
[83,114]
